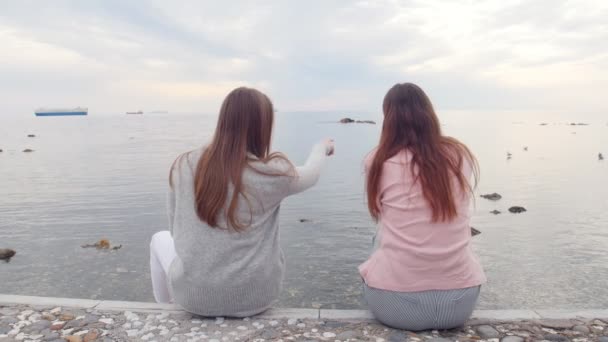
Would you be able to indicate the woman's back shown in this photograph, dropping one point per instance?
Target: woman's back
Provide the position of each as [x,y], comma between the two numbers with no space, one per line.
[219,269]
[416,253]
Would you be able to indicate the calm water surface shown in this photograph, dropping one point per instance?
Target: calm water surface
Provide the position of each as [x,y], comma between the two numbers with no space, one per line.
[105,176]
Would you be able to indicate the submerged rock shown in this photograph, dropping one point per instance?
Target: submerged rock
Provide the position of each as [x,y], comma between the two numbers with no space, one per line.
[0,150]
[101,244]
[347,120]
[27,150]
[302,220]
[495,212]
[517,210]
[474,231]
[492,197]
[544,124]
[599,156]
[6,254]
[31,135]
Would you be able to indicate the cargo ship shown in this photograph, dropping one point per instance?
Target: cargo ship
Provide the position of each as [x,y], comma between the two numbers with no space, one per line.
[61,111]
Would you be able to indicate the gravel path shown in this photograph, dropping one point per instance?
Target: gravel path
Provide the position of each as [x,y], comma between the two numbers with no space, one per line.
[27,323]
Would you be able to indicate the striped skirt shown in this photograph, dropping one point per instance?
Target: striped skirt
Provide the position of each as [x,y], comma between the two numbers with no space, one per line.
[415,311]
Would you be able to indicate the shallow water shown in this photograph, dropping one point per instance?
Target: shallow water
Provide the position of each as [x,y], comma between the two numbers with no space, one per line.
[105,176]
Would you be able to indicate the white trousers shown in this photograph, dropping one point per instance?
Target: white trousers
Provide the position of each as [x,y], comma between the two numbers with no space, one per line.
[162,253]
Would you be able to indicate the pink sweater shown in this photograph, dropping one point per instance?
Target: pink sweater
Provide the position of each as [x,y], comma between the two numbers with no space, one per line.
[415,254]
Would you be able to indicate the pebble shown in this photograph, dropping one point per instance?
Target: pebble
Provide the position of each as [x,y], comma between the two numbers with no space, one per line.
[512,339]
[66,316]
[581,328]
[556,337]
[106,320]
[557,323]
[487,331]
[328,334]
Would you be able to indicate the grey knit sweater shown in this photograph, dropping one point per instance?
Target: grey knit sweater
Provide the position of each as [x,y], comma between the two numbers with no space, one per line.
[220,272]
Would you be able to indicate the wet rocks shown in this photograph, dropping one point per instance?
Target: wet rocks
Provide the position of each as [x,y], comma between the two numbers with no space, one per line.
[6,254]
[517,209]
[492,197]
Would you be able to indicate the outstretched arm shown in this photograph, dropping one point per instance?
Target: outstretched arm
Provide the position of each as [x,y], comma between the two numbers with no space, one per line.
[308,174]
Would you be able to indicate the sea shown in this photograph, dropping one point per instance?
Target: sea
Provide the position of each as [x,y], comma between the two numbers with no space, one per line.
[105,176]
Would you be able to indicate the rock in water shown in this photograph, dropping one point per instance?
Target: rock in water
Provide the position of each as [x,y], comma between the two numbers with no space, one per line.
[517,210]
[28,150]
[474,231]
[7,254]
[31,135]
[492,197]
[495,212]
[599,156]
[302,220]
[347,120]
[0,150]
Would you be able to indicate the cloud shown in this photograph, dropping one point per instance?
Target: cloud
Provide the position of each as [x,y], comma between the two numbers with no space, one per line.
[316,55]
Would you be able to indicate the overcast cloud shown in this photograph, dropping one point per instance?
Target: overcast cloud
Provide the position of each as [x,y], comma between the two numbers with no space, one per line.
[117,55]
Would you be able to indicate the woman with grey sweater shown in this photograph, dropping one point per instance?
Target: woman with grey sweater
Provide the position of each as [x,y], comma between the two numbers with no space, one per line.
[221,255]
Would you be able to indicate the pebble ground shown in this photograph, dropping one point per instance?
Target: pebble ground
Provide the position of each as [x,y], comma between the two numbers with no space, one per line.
[28,323]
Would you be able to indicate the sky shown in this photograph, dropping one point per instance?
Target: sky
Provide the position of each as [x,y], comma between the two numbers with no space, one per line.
[185,56]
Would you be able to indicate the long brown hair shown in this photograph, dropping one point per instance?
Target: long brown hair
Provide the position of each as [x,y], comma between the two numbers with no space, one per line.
[244,126]
[410,123]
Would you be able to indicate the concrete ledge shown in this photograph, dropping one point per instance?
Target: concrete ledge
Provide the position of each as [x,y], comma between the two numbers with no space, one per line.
[569,314]
[113,305]
[358,315]
[505,315]
[275,313]
[289,313]
[49,301]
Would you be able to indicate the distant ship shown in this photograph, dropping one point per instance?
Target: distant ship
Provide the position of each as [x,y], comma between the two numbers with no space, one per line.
[138,112]
[61,111]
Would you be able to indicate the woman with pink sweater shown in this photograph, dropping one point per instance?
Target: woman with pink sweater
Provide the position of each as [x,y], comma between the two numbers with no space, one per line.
[423,273]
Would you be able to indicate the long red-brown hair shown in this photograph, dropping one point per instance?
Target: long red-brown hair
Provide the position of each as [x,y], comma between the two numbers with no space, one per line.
[410,124]
[244,126]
